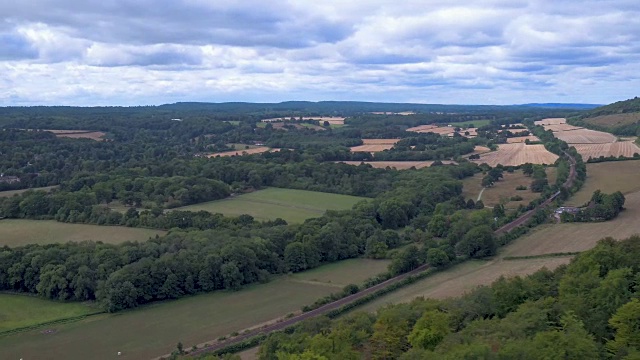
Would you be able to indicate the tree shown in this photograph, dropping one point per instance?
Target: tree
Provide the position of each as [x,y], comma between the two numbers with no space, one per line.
[487,181]
[294,257]
[478,242]
[626,325]
[437,257]
[430,330]
[471,204]
[231,276]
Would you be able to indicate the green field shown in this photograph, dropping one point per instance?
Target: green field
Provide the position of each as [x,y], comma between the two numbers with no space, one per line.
[294,206]
[608,177]
[476,123]
[18,311]
[14,232]
[9,193]
[155,330]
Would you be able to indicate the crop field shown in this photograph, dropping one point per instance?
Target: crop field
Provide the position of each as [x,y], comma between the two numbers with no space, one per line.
[608,177]
[398,165]
[504,189]
[585,136]
[371,148]
[572,237]
[551,121]
[518,154]
[615,120]
[333,120]
[10,193]
[155,330]
[78,134]
[562,127]
[521,139]
[471,123]
[269,204]
[17,232]
[240,152]
[624,148]
[463,278]
[443,130]
[19,311]
[379,141]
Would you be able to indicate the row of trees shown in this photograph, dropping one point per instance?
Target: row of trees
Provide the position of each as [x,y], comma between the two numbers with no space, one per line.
[602,207]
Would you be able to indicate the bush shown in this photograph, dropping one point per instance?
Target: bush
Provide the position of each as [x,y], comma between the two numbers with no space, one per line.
[521,187]
[516,198]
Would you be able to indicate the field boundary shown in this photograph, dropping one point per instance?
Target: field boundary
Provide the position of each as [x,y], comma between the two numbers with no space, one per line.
[541,256]
[52,322]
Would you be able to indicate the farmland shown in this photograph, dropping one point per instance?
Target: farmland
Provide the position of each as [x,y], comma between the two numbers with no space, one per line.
[379,141]
[571,237]
[333,120]
[240,152]
[148,331]
[471,123]
[620,148]
[521,139]
[615,119]
[518,154]
[269,204]
[463,278]
[551,121]
[398,165]
[599,177]
[504,189]
[15,232]
[584,136]
[371,148]
[19,311]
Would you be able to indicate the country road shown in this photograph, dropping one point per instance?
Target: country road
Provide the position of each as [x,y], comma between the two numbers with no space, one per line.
[351,298]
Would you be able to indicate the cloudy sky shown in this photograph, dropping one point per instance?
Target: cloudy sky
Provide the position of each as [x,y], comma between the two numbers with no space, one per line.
[138,52]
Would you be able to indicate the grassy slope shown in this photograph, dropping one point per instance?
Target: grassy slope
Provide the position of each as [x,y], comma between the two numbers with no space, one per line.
[17,311]
[609,177]
[155,330]
[14,232]
[269,204]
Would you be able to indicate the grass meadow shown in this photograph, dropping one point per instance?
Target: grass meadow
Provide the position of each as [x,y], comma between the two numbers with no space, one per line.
[154,330]
[608,177]
[294,206]
[17,232]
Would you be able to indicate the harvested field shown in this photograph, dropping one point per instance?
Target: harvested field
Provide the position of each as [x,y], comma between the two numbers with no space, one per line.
[478,149]
[624,148]
[94,135]
[379,141]
[521,139]
[371,148]
[551,121]
[504,189]
[615,120]
[599,177]
[562,127]
[154,330]
[518,154]
[333,120]
[572,237]
[255,150]
[442,130]
[585,136]
[463,278]
[294,206]
[398,165]
[17,232]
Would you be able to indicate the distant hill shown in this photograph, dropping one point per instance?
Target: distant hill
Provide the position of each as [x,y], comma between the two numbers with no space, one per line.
[563,106]
[620,118]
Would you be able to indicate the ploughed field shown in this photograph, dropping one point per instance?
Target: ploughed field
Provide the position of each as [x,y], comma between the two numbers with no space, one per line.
[517,154]
[17,232]
[154,330]
[294,206]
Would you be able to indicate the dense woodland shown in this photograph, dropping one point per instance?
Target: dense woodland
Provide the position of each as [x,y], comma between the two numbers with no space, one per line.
[152,164]
[586,310]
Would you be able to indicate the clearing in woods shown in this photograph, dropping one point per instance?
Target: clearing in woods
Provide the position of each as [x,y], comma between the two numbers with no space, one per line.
[78,134]
[398,165]
[155,330]
[371,148]
[608,177]
[9,193]
[18,232]
[294,206]
[379,141]
[503,190]
[240,152]
[517,154]
[19,311]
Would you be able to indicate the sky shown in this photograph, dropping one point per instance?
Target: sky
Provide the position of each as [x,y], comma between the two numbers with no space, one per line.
[147,52]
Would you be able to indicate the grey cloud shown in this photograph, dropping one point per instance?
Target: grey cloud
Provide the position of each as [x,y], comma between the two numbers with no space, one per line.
[15,46]
[145,56]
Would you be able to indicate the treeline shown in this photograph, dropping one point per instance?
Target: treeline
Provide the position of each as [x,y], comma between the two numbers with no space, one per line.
[602,207]
[240,251]
[586,310]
